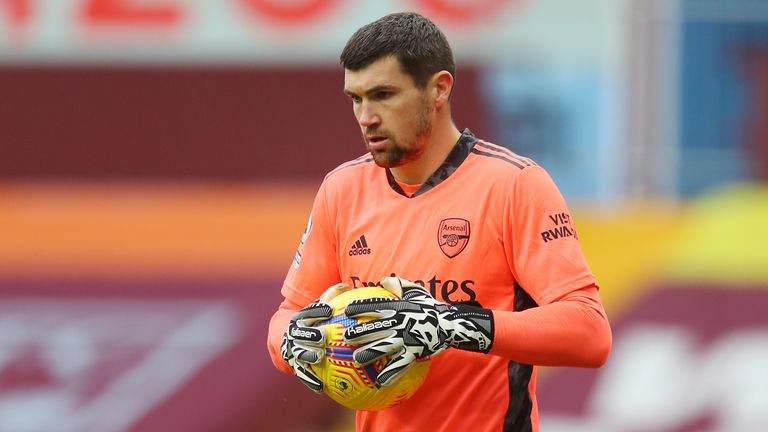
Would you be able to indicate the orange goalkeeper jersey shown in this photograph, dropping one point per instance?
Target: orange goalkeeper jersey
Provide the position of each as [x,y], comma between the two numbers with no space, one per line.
[488,226]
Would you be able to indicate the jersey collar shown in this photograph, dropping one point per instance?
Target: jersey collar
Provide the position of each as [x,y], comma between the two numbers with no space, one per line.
[460,151]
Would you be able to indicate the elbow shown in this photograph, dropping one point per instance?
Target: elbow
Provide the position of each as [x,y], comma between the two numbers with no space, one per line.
[590,343]
[598,339]
[600,346]
[600,355]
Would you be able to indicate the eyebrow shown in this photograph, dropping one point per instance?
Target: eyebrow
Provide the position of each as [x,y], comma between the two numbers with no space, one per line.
[374,89]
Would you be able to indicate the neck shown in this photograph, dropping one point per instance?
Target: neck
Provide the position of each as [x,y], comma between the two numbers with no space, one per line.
[440,143]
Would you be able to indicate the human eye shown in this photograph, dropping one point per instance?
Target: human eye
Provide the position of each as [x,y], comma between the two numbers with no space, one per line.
[382,95]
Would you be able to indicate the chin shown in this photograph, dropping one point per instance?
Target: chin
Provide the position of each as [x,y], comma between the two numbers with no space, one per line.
[383,160]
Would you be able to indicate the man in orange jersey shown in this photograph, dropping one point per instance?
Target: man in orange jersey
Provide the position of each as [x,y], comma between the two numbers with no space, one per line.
[477,241]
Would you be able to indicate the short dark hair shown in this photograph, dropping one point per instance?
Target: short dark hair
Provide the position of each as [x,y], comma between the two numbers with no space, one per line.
[417,42]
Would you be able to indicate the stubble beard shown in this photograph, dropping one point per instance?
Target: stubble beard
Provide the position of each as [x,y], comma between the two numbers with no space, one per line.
[399,154]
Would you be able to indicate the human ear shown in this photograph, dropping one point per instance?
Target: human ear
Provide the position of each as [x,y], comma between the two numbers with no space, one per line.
[442,84]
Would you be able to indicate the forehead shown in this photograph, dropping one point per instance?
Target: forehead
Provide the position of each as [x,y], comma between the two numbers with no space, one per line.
[386,70]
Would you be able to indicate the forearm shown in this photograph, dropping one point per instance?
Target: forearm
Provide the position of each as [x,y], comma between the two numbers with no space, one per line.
[573,331]
[277,326]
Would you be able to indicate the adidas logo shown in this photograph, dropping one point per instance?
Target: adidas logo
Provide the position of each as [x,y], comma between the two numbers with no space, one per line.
[360,247]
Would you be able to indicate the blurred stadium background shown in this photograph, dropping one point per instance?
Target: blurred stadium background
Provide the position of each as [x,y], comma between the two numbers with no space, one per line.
[158,159]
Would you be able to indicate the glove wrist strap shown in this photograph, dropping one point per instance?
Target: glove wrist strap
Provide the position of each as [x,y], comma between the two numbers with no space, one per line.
[473,328]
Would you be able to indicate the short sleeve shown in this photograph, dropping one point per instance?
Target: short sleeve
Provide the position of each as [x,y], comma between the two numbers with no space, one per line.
[541,241]
[315,264]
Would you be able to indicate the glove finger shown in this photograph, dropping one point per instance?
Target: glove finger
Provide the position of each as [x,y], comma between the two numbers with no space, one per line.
[422,297]
[316,311]
[314,336]
[416,294]
[396,368]
[307,354]
[373,351]
[285,349]
[309,378]
[368,331]
[378,307]
[393,285]
[397,285]
[332,292]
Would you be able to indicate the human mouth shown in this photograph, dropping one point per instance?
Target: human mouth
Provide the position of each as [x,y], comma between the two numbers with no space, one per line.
[376,142]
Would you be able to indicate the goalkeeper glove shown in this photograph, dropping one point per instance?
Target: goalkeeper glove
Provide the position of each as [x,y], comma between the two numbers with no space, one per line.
[414,327]
[303,344]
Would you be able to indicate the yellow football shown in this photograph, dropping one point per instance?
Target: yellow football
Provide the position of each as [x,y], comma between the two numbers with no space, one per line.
[349,383]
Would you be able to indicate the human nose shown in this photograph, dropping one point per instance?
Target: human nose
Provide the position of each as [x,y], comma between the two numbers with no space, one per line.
[367,116]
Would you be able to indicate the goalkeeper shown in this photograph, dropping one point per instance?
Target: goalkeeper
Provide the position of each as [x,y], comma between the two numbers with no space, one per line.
[477,241]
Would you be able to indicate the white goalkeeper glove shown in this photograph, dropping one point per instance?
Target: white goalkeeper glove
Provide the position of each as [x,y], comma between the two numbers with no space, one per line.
[303,344]
[414,327]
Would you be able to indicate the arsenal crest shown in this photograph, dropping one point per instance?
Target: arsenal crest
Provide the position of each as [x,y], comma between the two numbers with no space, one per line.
[453,236]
